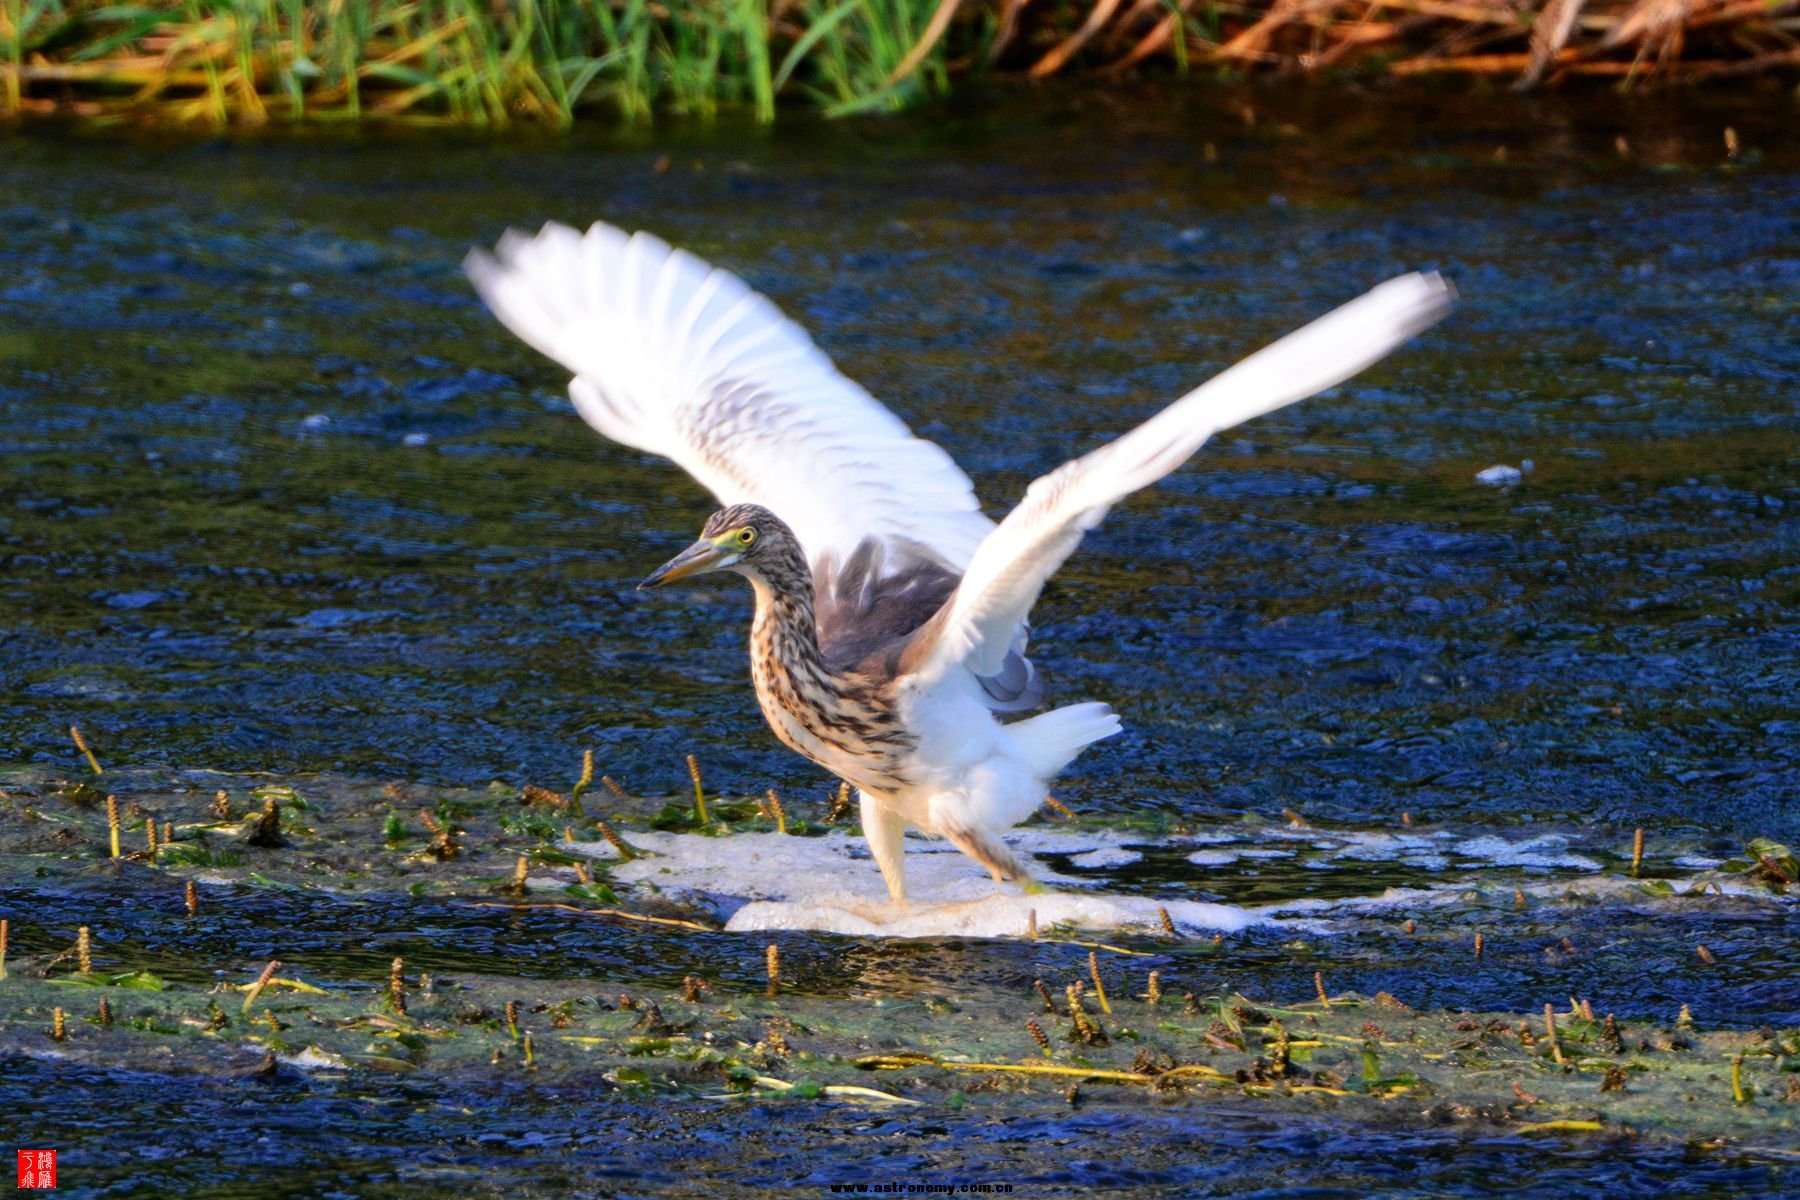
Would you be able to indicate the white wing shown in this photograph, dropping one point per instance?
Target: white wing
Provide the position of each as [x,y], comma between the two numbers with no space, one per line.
[1010,567]
[679,359]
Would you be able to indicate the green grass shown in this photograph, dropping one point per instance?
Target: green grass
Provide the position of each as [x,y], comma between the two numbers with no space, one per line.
[464,62]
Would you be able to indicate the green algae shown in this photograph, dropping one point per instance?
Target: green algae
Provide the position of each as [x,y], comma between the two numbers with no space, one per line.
[884,1037]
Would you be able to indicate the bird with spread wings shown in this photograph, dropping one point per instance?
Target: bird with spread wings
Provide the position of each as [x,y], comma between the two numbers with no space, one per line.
[889,640]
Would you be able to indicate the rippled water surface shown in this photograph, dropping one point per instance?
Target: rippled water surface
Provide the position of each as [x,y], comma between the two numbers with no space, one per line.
[278,496]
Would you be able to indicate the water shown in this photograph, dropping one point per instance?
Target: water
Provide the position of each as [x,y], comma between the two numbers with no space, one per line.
[279,497]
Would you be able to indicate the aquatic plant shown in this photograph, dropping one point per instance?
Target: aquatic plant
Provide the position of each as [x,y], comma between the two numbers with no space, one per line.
[542,62]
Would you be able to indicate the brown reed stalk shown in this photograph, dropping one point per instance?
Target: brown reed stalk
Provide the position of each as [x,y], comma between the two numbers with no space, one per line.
[262,981]
[581,783]
[1099,988]
[81,745]
[693,766]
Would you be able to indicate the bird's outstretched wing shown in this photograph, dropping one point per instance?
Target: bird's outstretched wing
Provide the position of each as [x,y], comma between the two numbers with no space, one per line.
[677,358]
[977,625]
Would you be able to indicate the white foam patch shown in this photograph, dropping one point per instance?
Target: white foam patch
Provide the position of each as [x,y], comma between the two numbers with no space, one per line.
[765,881]
[999,915]
[314,1059]
[1106,856]
[1490,850]
[830,884]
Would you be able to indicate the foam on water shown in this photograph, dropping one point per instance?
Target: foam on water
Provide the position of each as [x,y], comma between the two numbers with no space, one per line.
[762,881]
[766,881]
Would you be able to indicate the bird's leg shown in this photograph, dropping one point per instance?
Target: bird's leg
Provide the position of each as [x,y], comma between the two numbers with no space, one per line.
[885,831]
[992,853]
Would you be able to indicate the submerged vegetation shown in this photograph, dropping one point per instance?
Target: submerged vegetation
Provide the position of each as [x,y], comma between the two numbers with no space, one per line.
[545,62]
[241,942]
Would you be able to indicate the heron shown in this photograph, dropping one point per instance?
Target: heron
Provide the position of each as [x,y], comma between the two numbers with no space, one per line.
[891,618]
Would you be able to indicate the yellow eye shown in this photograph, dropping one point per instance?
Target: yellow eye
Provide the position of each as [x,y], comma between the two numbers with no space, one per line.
[745,536]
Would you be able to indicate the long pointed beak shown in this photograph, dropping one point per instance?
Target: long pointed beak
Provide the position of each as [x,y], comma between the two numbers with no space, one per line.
[700,557]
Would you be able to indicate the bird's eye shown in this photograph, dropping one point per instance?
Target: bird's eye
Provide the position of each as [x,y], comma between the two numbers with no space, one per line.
[746,535]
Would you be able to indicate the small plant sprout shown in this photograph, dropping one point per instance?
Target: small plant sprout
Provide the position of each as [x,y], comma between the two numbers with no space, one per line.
[266,832]
[1168,922]
[1038,1035]
[512,1019]
[581,784]
[693,766]
[1637,851]
[1099,988]
[397,986]
[1153,993]
[5,932]
[81,745]
[618,843]
[84,950]
[262,981]
[776,811]
[112,823]
[840,804]
[1319,986]
[1086,1028]
[59,1025]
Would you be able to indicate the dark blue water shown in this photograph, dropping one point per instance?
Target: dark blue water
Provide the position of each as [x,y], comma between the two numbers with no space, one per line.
[1323,610]
[278,495]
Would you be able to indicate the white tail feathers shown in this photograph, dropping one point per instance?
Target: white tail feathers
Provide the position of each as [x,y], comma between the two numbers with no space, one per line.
[1050,741]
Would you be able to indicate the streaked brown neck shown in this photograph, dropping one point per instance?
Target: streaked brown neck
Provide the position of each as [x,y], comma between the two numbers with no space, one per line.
[785,631]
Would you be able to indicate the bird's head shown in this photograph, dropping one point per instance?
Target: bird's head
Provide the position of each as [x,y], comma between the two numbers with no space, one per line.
[746,538]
